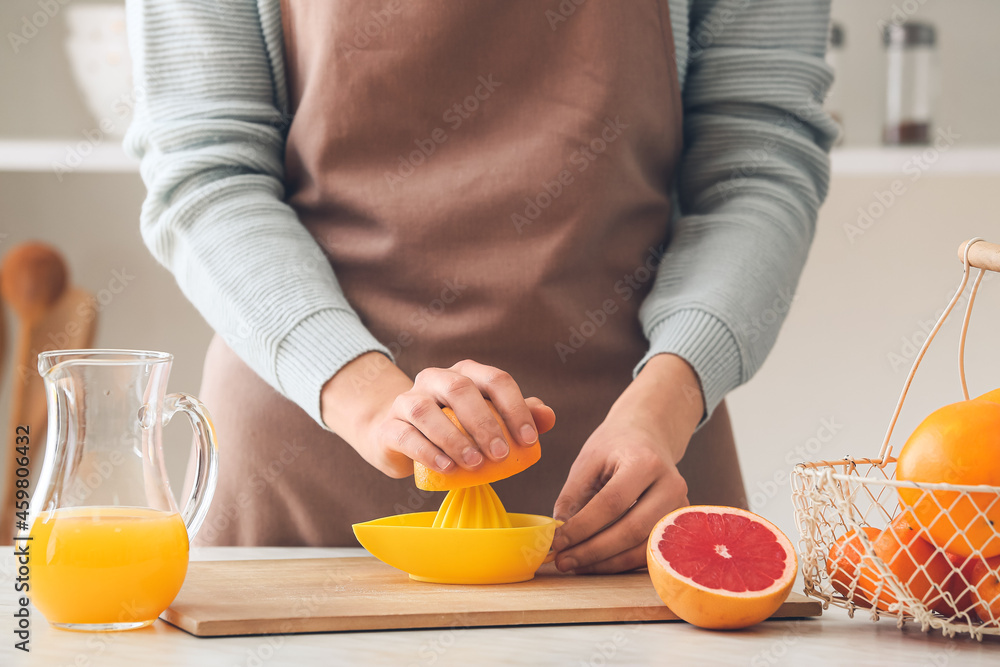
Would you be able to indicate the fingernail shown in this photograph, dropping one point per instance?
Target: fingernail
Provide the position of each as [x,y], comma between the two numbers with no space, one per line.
[528,434]
[499,448]
[472,456]
[568,564]
[442,462]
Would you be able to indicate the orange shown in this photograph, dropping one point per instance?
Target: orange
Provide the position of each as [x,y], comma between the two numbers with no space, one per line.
[986,579]
[843,562]
[957,444]
[720,567]
[913,561]
[517,460]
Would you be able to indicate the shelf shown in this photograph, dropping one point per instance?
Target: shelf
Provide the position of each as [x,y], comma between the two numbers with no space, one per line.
[915,159]
[62,157]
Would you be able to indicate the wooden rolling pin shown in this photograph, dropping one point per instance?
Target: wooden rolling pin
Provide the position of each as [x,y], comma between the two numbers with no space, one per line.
[982,255]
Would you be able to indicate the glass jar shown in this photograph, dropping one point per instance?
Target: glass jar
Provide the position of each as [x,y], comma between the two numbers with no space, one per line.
[910,83]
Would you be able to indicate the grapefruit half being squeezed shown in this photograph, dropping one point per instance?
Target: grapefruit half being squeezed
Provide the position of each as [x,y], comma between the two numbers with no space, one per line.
[720,567]
[519,459]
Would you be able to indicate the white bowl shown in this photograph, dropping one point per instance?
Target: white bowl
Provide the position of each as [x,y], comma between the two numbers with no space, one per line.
[98,54]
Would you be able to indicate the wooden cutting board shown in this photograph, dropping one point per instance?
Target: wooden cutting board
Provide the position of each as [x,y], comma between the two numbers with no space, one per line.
[222,598]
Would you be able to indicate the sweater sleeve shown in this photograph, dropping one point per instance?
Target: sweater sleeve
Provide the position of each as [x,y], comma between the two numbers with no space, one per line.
[209,128]
[752,176]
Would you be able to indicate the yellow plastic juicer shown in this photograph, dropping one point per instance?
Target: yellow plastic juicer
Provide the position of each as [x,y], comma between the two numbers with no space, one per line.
[471,539]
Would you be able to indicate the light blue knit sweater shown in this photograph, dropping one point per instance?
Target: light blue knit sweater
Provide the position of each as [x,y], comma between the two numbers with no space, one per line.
[209,131]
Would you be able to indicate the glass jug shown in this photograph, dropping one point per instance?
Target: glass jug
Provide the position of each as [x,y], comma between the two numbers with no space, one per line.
[108,546]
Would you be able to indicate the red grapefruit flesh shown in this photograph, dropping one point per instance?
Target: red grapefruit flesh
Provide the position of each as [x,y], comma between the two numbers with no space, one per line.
[720,567]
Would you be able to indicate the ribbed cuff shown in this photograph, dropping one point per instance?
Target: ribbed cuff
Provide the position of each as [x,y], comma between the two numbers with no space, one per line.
[705,342]
[315,350]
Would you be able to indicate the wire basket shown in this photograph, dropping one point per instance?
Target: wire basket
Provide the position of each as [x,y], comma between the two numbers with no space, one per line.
[844,507]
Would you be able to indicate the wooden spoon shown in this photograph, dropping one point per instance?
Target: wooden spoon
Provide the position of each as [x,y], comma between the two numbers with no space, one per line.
[3,339]
[32,279]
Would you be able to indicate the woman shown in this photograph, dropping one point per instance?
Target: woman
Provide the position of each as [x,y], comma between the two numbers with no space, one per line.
[387,207]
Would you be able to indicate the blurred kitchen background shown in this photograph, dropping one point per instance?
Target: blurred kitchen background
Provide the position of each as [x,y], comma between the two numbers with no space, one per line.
[882,267]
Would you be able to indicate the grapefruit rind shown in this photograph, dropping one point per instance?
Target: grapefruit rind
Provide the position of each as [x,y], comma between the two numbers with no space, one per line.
[519,459]
[711,607]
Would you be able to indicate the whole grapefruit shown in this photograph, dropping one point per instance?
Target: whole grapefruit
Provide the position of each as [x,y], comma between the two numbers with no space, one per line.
[959,586]
[991,396]
[986,579]
[956,444]
[844,560]
[913,561]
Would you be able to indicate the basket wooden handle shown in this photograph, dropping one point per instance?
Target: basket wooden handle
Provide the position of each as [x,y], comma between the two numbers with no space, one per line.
[982,255]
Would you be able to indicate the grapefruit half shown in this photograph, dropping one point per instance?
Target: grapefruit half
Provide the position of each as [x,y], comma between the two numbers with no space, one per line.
[720,567]
[517,460]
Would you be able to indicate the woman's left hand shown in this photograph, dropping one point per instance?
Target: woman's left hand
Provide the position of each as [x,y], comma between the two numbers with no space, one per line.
[625,478]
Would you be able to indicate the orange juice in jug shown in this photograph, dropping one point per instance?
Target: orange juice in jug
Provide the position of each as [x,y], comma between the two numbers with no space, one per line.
[106,565]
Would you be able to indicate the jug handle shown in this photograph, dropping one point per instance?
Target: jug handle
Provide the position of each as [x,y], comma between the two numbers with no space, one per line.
[207,463]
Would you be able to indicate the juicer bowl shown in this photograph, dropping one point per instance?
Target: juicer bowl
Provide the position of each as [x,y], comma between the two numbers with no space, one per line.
[410,543]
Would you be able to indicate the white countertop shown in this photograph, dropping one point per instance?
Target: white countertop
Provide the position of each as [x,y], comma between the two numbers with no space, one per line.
[831,640]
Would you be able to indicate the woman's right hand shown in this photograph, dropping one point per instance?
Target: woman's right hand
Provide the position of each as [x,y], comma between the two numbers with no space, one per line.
[392,421]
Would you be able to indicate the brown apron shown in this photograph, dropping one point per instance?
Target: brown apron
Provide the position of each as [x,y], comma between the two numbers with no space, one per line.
[490,180]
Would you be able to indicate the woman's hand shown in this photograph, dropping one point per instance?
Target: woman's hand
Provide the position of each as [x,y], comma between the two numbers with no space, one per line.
[625,478]
[392,421]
